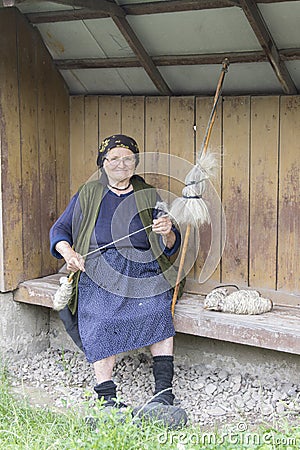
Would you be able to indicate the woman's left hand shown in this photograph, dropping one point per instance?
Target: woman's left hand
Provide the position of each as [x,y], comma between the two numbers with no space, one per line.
[162,225]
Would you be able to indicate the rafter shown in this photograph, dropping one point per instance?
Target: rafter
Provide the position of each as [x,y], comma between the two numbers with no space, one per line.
[65,16]
[174,60]
[103,6]
[268,45]
[150,7]
[176,6]
[142,55]
[135,9]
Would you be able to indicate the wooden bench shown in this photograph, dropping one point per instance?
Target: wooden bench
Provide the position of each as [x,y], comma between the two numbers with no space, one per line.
[276,330]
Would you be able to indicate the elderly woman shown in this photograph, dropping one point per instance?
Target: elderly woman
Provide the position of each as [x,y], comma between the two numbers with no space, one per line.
[123,294]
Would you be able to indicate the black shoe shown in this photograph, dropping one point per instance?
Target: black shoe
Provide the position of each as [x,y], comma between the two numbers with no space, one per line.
[170,416]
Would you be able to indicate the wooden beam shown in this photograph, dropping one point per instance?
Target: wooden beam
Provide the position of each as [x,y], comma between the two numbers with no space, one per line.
[134,9]
[208,59]
[290,54]
[104,6]
[267,42]
[174,60]
[176,6]
[142,55]
[65,15]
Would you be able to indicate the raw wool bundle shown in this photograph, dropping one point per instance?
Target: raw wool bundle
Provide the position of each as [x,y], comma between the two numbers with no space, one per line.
[162,208]
[63,293]
[191,208]
[239,302]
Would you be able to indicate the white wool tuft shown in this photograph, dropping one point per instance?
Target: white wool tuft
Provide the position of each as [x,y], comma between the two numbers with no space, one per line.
[163,208]
[63,294]
[190,211]
[209,164]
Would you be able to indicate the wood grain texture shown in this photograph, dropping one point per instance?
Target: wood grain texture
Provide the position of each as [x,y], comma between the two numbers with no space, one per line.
[76,142]
[157,126]
[289,196]
[91,136]
[11,188]
[235,195]
[47,154]
[263,191]
[109,116]
[182,147]
[62,143]
[133,119]
[31,201]
[204,107]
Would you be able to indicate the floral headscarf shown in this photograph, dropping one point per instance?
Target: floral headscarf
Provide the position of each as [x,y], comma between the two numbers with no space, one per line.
[116,140]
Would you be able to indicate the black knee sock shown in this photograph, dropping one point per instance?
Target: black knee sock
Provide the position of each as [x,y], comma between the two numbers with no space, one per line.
[163,371]
[106,390]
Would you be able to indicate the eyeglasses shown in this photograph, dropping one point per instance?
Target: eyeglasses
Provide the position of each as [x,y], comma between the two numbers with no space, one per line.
[128,161]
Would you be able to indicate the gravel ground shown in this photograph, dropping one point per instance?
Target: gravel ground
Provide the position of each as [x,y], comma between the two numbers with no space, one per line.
[209,395]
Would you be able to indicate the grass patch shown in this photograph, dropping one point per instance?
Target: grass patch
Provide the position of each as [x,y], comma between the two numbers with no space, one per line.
[30,428]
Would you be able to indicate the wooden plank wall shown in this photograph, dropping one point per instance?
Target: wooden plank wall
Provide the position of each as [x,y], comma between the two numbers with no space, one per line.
[257,140]
[34,112]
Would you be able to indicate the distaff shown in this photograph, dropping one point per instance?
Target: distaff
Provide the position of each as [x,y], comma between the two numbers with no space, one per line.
[191,208]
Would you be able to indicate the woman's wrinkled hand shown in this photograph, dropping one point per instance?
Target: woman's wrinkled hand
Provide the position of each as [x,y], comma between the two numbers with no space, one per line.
[163,226]
[75,262]
[73,259]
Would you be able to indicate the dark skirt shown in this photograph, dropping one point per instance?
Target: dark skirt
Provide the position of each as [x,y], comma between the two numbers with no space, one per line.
[124,303]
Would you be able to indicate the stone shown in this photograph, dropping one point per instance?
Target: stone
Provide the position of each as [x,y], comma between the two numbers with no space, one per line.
[216,411]
[223,374]
[277,395]
[196,385]
[210,389]
[236,378]
[266,409]
[280,408]
[235,388]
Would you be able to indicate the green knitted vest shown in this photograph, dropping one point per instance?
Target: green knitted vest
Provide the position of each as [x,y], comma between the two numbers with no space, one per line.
[90,197]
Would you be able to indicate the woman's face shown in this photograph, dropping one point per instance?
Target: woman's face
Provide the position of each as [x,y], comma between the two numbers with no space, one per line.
[119,164]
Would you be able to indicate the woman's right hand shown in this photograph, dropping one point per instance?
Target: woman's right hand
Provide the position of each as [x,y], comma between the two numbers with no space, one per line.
[73,259]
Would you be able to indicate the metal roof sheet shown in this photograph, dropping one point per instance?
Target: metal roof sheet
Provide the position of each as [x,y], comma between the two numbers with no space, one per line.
[283,21]
[211,31]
